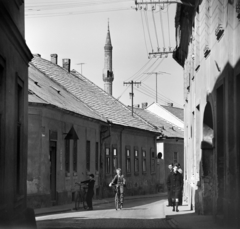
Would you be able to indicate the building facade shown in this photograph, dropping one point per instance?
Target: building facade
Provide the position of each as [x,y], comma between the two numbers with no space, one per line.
[170,141]
[14,59]
[208,48]
[75,129]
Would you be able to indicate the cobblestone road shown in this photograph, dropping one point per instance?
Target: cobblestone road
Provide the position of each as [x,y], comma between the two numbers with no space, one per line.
[146,213]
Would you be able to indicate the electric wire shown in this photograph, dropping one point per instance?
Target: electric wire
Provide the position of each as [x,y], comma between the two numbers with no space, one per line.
[168,28]
[140,76]
[162,29]
[146,18]
[139,70]
[123,92]
[144,33]
[155,29]
[159,94]
[73,13]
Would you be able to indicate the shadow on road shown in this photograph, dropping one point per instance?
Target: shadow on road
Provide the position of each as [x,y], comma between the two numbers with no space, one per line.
[76,222]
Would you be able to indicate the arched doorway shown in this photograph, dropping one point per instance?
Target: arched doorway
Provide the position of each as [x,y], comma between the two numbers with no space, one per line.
[207,161]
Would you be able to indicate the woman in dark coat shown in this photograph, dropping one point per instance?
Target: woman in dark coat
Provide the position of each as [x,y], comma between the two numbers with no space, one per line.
[175,183]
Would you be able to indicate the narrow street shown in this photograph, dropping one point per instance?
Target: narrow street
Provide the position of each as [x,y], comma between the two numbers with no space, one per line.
[138,213]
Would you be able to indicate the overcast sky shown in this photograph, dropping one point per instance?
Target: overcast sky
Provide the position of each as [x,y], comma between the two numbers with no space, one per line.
[77,29]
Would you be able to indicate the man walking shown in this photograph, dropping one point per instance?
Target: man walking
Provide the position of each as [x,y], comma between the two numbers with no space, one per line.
[175,183]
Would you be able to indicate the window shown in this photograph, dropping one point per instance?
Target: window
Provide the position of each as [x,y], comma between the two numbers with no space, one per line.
[75,156]
[107,160]
[128,160]
[115,161]
[67,156]
[144,169]
[152,161]
[19,111]
[96,156]
[88,155]
[175,157]
[136,161]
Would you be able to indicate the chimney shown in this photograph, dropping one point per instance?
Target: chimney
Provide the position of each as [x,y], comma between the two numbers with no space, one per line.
[144,105]
[170,104]
[54,58]
[66,64]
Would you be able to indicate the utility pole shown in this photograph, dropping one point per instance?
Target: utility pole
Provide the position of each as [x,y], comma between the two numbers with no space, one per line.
[156,73]
[131,93]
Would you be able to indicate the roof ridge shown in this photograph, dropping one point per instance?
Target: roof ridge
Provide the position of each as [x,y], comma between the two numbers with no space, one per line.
[170,113]
[107,106]
[165,120]
[115,100]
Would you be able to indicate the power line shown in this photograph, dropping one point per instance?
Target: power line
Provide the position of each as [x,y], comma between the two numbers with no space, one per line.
[73,13]
[160,12]
[146,17]
[122,93]
[144,33]
[155,29]
[168,28]
[139,70]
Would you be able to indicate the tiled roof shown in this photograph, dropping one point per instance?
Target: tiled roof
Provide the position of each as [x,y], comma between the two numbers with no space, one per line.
[89,93]
[168,129]
[43,90]
[178,112]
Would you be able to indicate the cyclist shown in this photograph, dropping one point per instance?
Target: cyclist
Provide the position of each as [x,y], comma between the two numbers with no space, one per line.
[90,192]
[120,183]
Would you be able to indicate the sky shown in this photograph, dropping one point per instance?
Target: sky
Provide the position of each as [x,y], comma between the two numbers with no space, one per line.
[77,29]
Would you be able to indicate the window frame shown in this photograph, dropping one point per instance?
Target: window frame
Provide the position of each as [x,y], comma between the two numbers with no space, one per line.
[107,160]
[96,156]
[152,161]
[144,161]
[88,155]
[128,160]
[174,162]
[136,160]
[75,157]
[114,158]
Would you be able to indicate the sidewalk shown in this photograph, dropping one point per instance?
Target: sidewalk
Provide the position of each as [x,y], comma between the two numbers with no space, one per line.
[188,219]
[69,207]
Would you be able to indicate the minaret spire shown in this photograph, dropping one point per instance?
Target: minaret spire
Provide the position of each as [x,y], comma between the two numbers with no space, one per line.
[107,70]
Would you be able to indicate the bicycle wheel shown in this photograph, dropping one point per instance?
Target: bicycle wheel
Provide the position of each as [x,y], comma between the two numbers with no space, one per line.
[116,201]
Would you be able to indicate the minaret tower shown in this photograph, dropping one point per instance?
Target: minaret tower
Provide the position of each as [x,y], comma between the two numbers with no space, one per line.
[107,71]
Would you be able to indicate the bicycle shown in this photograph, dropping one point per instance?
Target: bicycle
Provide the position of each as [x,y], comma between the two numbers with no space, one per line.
[80,196]
[118,205]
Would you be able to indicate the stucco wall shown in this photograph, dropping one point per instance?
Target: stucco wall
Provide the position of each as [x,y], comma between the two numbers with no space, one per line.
[41,121]
[137,183]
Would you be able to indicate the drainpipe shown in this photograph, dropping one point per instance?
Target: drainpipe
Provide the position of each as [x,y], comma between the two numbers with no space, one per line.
[102,167]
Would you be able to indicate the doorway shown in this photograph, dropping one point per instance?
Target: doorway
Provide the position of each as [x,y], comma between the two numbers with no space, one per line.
[207,161]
